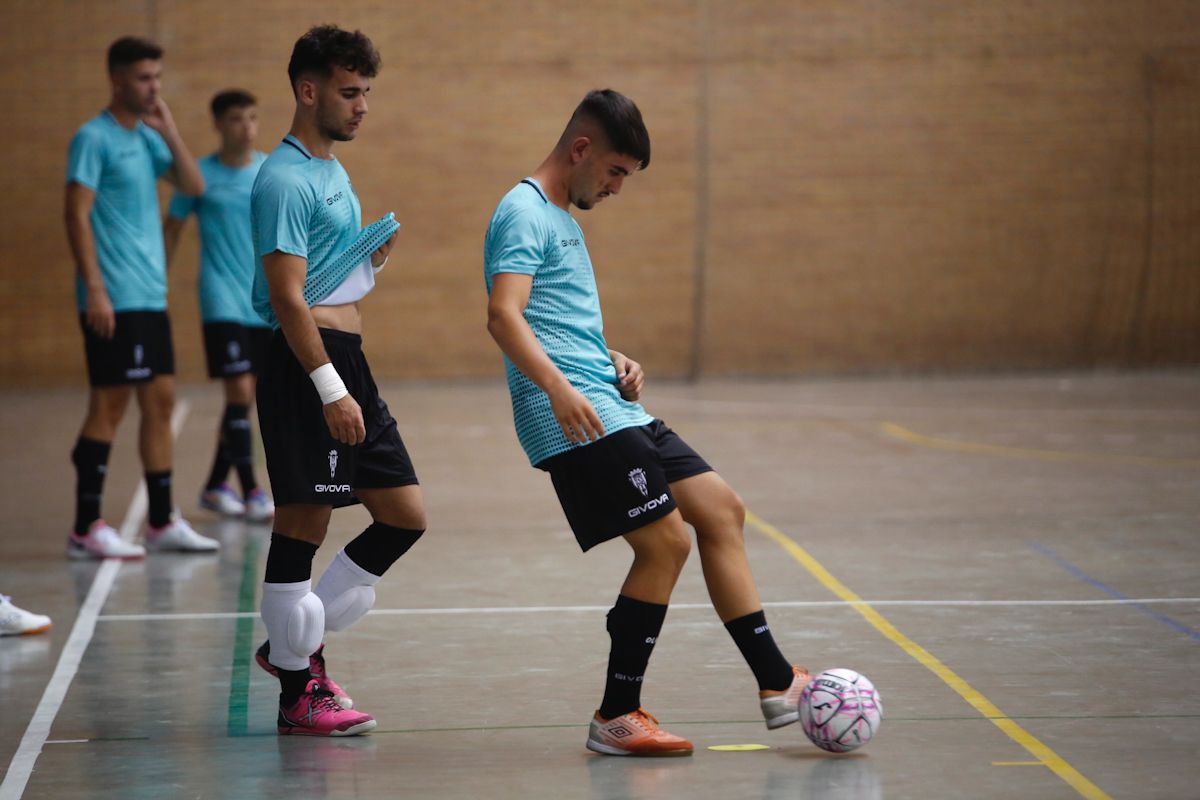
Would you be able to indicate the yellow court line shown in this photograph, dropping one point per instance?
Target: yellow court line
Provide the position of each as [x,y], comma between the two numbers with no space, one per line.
[984,706]
[895,431]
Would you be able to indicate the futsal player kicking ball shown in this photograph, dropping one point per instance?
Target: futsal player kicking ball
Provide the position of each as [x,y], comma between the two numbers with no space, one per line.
[618,471]
[235,337]
[115,233]
[328,436]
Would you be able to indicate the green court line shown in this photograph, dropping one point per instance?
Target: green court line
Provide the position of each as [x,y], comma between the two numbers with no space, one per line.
[239,678]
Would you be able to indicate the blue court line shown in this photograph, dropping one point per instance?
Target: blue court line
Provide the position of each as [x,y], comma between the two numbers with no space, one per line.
[1083,576]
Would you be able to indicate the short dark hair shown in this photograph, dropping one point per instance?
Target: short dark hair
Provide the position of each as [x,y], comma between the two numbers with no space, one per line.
[231,98]
[130,50]
[621,120]
[327,46]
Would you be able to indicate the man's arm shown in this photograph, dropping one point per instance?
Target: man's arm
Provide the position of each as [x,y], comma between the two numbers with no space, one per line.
[285,278]
[184,173]
[77,209]
[172,228]
[506,323]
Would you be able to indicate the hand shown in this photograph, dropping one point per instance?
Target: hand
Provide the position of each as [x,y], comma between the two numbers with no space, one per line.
[579,421]
[345,420]
[99,314]
[159,117]
[380,255]
[630,376]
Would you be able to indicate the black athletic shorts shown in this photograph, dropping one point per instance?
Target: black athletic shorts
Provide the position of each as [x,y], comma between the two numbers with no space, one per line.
[139,350]
[232,349]
[305,463]
[621,483]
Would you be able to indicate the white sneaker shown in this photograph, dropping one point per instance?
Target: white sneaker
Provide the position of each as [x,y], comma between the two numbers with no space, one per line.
[784,708]
[18,622]
[223,500]
[259,506]
[102,541]
[179,535]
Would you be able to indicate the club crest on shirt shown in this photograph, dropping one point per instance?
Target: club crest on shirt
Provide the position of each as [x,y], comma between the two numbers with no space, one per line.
[638,478]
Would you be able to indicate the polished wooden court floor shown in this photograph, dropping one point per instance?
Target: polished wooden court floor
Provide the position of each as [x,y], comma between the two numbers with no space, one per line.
[1014,561]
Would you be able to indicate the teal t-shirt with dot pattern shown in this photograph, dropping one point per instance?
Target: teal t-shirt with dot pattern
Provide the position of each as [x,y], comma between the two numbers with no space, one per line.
[303,206]
[529,235]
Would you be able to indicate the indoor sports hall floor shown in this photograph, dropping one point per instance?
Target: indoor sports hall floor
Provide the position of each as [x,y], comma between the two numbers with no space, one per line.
[1015,562]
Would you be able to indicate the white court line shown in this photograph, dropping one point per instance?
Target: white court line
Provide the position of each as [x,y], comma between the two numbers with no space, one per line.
[38,731]
[407,612]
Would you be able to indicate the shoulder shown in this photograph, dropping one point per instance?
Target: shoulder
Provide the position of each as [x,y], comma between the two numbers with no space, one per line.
[92,132]
[521,208]
[280,173]
[152,137]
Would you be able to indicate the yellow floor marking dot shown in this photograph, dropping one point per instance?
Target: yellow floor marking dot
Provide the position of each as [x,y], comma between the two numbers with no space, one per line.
[738,748]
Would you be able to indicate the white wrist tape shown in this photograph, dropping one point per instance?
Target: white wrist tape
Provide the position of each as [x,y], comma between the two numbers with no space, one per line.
[329,383]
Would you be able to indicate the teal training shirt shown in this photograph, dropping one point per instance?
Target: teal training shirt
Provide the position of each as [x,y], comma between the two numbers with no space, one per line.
[302,206]
[226,251]
[121,166]
[529,235]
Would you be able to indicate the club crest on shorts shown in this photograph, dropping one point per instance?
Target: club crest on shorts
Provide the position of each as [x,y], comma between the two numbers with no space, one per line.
[235,351]
[139,353]
[333,459]
[638,478]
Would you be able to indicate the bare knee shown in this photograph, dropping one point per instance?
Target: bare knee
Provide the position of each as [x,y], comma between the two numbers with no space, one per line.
[157,400]
[667,546]
[723,521]
[106,408]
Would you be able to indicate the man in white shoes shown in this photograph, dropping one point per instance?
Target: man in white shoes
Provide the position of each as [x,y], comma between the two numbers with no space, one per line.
[115,233]
[235,337]
[19,622]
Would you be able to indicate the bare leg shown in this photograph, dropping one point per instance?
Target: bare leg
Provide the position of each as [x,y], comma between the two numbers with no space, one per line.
[660,550]
[716,512]
[157,401]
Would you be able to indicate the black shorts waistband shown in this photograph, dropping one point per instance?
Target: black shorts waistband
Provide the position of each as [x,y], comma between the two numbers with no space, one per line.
[343,339]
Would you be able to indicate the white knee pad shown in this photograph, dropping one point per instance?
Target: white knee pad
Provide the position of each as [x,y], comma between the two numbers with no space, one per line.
[295,620]
[346,609]
[347,590]
[306,626]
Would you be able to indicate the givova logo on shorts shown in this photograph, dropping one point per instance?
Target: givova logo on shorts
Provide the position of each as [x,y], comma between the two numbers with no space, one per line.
[322,488]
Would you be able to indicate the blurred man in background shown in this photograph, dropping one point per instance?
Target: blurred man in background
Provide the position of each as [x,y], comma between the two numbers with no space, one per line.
[115,232]
[235,337]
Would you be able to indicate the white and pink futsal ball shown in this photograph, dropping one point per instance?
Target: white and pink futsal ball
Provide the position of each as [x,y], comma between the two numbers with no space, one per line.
[840,710]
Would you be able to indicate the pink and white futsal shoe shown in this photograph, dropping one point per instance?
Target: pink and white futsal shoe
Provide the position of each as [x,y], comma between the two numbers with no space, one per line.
[783,708]
[102,541]
[316,713]
[316,668]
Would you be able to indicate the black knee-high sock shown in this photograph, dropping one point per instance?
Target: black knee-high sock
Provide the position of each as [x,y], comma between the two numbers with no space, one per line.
[90,458]
[753,637]
[158,486]
[290,561]
[236,431]
[378,547]
[633,626]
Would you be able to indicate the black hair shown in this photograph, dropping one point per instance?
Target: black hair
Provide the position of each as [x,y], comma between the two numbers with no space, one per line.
[231,98]
[621,120]
[130,50]
[327,46]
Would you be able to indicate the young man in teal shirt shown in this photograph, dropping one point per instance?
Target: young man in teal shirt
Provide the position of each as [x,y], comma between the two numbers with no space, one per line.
[618,471]
[329,438]
[235,337]
[115,232]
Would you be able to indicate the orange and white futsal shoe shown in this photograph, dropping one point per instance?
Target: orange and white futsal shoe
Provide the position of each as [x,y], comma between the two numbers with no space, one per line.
[634,734]
[317,713]
[783,708]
